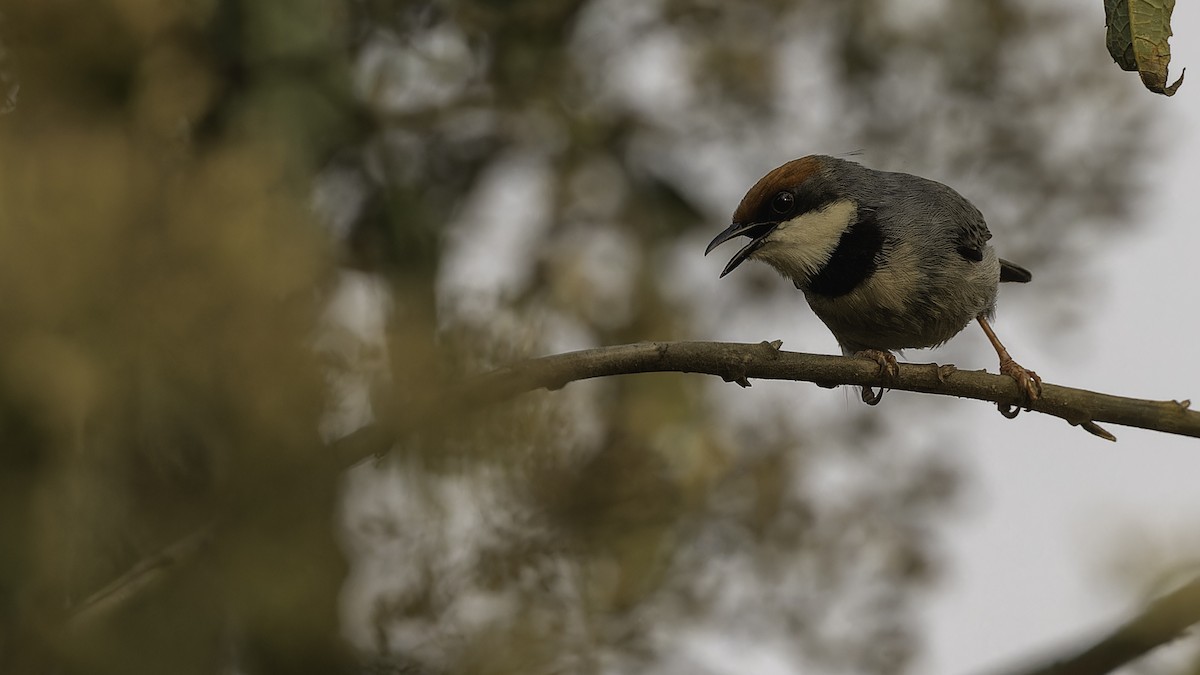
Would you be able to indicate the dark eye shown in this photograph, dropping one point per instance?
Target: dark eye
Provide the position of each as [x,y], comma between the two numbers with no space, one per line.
[783,203]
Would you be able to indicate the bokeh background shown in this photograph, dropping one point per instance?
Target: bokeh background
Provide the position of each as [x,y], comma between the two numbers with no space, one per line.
[234,232]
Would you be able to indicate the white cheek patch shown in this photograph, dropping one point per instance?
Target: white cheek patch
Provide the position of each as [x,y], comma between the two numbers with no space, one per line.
[800,247]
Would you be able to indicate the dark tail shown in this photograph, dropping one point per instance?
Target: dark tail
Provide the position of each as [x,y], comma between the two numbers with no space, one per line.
[1014,272]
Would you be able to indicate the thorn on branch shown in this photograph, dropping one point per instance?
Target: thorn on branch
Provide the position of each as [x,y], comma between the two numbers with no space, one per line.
[740,379]
[1184,404]
[1096,430]
[944,372]
[773,345]
[738,373]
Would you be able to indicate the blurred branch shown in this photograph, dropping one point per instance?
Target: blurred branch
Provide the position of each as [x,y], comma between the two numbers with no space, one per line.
[147,573]
[1163,620]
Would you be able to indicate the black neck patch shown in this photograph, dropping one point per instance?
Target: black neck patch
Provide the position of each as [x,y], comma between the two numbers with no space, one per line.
[854,260]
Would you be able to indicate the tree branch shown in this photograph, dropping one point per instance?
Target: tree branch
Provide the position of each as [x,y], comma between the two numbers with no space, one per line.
[1163,620]
[741,363]
[144,575]
[734,362]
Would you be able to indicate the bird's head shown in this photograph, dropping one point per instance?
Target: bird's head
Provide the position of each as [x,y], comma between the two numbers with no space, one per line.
[794,217]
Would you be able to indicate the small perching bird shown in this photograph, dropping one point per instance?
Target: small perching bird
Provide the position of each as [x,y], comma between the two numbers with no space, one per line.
[887,260]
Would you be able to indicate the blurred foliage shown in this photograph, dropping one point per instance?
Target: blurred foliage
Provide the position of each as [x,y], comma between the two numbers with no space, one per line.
[228,225]
[157,268]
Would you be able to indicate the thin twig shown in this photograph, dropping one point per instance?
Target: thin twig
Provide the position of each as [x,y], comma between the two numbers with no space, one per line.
[143,575]
[741,363]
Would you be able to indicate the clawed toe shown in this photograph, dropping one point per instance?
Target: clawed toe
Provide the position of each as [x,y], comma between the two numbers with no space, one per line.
[1027,381]
[886,361]
[1009,411]
[887,368]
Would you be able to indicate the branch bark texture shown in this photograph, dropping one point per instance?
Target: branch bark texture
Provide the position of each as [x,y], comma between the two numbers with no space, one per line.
[741,363]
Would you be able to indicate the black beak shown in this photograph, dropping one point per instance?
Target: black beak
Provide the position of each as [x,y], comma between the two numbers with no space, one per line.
[756,231]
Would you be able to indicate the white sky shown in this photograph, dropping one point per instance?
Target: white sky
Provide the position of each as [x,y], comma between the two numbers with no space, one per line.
[1054,511]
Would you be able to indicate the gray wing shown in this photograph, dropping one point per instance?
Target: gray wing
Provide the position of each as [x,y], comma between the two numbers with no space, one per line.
[929,209]
[957,220]
[972,233]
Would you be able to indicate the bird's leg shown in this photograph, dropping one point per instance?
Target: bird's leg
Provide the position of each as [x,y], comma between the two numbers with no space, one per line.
[887,366]
[1027,381]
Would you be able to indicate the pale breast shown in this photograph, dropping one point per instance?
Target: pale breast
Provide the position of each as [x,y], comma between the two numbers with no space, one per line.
[910,304]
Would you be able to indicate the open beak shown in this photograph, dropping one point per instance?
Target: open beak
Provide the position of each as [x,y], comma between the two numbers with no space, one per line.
[756,231]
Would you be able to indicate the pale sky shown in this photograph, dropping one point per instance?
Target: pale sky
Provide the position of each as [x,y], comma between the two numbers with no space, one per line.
[1053,512]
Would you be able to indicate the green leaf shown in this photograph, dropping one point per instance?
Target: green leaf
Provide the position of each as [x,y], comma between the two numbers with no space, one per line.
[1137,39]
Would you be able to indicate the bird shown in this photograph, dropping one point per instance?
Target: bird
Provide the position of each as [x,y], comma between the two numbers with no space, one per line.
[886,260]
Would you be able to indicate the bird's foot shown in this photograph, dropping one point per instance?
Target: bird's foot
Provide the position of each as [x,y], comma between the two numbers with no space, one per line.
[1027,381]
[886,361]
[887,367]
[944,372]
